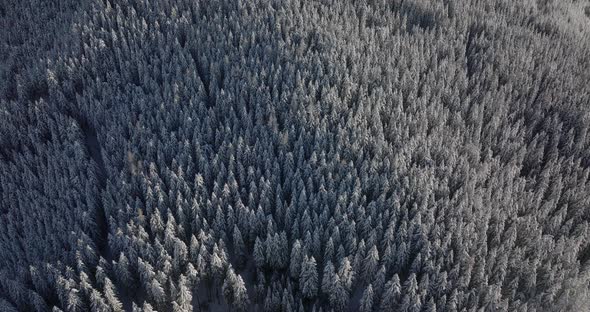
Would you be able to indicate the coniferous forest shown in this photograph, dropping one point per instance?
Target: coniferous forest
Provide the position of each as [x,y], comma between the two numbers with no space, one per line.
[295,155]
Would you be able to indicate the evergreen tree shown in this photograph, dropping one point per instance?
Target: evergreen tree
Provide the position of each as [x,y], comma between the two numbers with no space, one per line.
[391,295]
[239,247]
[122,270]
[111,297]
[308,280]
[346,274]
[296,260]
[259,253]
[184,297]
[366,304]
[97,302]
[338,297]
[370,264]
[410,301]
[234,291]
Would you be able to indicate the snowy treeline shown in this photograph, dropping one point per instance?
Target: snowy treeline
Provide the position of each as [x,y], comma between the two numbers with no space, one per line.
[294,155]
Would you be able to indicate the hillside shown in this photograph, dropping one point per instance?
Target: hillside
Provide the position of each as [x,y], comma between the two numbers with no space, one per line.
[295,155]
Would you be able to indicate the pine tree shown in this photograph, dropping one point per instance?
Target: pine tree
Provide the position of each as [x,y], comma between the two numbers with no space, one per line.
[283,250]
[111,297]
[156,292]
[411,301]
[184,297]
[370,264]
[328,279]
[308,280]
[379,279]
[147,307]
[338,297]
[346,274]
[97,302]
[228,282]
[452,302]
[273,256]
[259,253]
[296,260]
[122,270]
[329,250]
[430,306]
[217,267]
[234,291]
[180,254]
[239,247]
[366,304]
[194,248]
[391,295]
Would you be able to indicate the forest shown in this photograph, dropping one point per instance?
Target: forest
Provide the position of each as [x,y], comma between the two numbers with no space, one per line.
[295,155]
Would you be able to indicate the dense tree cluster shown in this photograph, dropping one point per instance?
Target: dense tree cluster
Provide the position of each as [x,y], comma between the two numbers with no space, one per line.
[180,155]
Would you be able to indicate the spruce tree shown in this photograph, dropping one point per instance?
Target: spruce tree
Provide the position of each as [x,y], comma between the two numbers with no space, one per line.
[308,280]
[366,303]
